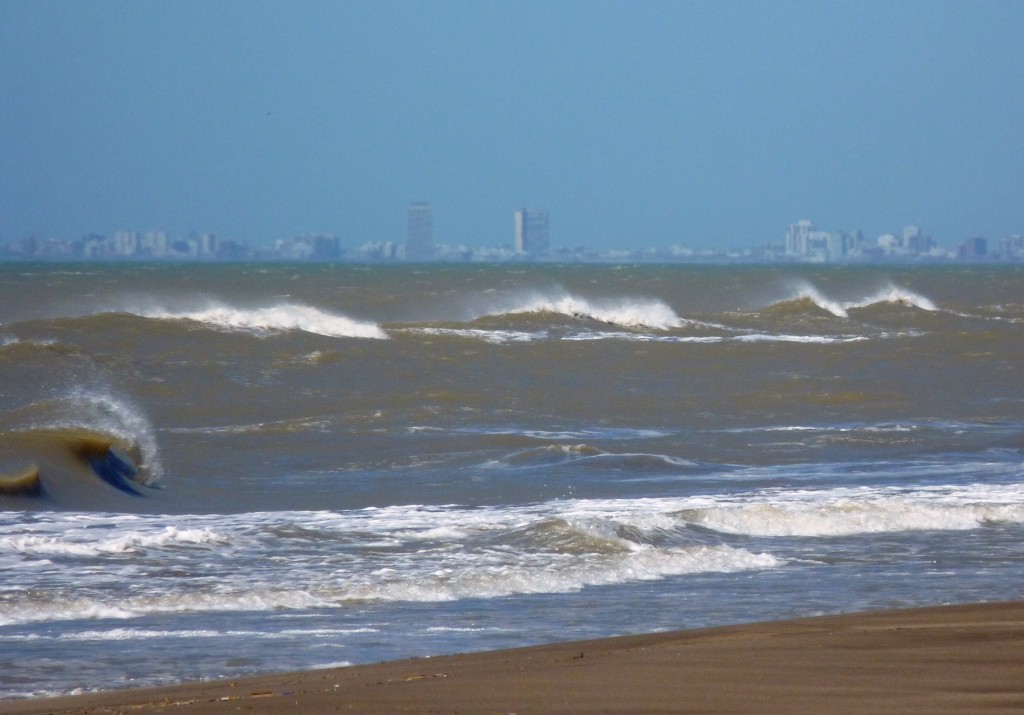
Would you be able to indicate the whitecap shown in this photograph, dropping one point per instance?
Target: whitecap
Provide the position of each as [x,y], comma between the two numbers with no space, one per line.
[629,312]
[806,291]
[893,294]
[277,318]
[841,309]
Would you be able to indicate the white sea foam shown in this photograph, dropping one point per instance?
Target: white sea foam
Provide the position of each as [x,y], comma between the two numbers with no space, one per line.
[842,512]
[590,335]
[495,337]
[386,554]
[809,339]
[273,561]
[503,337]
[79,543]
[130,634]
[277,318]
[564,573]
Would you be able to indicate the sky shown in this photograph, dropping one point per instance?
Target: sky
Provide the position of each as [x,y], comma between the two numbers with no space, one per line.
[643,123]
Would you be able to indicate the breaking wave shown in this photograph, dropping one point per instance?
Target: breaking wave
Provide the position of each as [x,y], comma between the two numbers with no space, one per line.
[628,312]
[59,448]
[806,292]
[277,318]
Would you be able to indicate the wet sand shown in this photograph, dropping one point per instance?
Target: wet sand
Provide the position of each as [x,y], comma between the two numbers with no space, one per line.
[956,659]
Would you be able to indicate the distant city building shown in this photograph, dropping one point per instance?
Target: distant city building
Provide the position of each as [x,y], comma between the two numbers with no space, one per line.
[889,243]
[915,242]
[974,248]
[208,245]
[806,242]
[1012,247]
[310,247]
[531,232]
[803,243]
[419,234]
[126,244]
[797,236]
[155,243]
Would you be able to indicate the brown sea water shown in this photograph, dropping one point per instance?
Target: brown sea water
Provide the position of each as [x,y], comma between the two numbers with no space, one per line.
[218,469]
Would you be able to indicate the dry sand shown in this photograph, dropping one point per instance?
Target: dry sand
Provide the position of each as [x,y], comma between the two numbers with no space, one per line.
[956,659]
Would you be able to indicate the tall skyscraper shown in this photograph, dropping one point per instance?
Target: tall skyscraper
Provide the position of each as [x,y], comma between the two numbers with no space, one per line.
[798,237]
[531,232]
[419,237]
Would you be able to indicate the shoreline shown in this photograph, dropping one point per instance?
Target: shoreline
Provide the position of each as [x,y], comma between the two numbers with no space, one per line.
[940,659]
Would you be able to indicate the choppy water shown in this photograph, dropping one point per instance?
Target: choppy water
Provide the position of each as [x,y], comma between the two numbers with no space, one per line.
[218,470]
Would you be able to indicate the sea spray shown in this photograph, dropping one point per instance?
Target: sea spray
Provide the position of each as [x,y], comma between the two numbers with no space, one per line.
[893,294]
[804,290]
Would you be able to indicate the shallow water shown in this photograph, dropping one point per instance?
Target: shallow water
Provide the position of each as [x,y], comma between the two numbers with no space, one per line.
[216,470]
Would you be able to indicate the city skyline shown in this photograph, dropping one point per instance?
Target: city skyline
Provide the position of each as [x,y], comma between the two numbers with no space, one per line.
[704,124]
[803,241]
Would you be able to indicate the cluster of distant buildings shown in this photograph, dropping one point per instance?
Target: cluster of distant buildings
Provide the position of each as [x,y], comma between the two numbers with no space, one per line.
[803,243]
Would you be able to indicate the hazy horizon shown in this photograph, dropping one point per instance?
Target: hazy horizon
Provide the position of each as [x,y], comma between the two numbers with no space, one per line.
[711,125]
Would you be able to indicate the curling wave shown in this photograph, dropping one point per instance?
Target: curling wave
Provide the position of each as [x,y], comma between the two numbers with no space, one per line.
[62,448]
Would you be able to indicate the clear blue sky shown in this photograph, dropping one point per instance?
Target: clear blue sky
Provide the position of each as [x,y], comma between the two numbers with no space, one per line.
[708,124]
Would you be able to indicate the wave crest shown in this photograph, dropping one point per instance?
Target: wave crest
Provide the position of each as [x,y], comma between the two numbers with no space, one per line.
[807,294]
[277,318]
[83,426]
[628,312]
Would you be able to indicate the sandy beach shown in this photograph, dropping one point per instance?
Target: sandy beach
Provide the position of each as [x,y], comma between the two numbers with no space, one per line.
[954,659]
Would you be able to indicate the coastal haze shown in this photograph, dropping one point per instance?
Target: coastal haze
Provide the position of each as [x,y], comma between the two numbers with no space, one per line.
[700,124]
[222,470]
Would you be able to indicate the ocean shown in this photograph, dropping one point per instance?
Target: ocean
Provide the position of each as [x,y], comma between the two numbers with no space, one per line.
[210,471]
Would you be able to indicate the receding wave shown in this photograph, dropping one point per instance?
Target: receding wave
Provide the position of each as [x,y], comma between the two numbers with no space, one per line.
[276,560]
[504,337]
[584,454]
[277,318]
[844,512]
[401,553]
[554,574]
